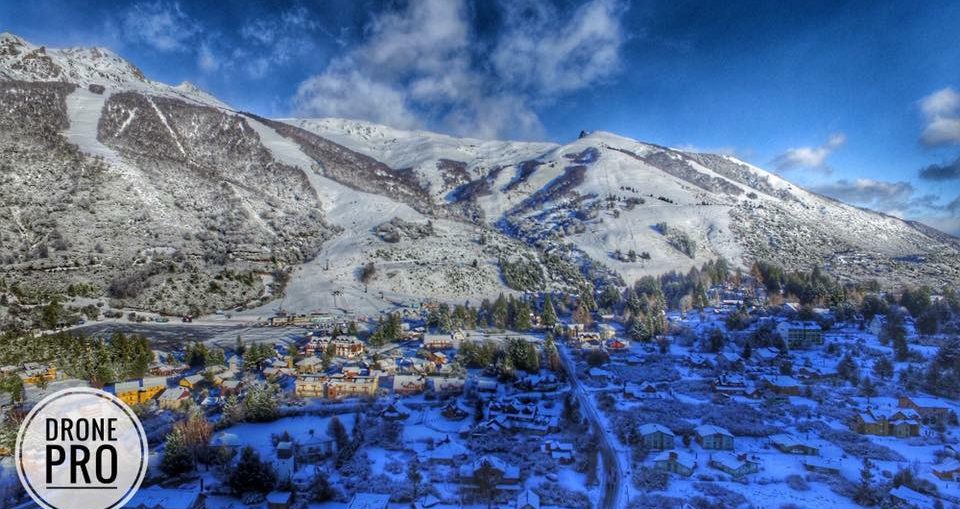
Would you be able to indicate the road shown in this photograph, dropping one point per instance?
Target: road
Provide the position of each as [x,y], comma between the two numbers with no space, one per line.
[615,490]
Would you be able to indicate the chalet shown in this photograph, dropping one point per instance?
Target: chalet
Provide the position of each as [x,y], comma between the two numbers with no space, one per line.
[736,465]
[156,497]
[448,452]
[901,423]
[173,398]
[539,383]
[767,355]
[729,383]
[948,470]
[713,437]
[309,365]
[573,330]
[589,337]
[446,385]
[799,335]
[791,445]
[313,448]
[395,411]
[644,390]
[783,385]
[486,384]
[512,409]
[279,500]
[528,499]
[369,501]
[677,462]
[230,387]
[508,474]
[728,360]
[656,437]
[406,385]
[932,411]
[454,411]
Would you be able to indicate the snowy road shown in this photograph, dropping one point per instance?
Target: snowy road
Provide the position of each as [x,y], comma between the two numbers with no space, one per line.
[614,495]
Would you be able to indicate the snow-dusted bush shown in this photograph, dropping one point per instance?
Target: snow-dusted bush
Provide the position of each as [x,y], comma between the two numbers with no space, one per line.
[797,483]
[649,479]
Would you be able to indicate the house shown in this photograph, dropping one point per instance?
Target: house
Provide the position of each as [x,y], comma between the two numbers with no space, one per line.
[791,445]
[279,500]
[135,392]
[486,384]
[933,411]
[173,398]
[947,471]
[736,465]
[600,375]
[395,411]
[454,411]
[309,365]
[406,385]
[677,462]
[767,355]
[156,497]
[446,385]
[347,347]
[35,373]
[314,447]
[540,383]
[800,334]
[560,451]
[728,383]
[783,385]
[714,437]
[448,452]
[191,382]
[644,390]
[656,437]
[527,499]
[822,466]
[508,474]
[443,341]
[369,501]
[901,423]
[695,360]
[910,498]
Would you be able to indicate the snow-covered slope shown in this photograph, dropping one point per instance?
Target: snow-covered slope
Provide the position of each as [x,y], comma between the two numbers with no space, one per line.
[168,184]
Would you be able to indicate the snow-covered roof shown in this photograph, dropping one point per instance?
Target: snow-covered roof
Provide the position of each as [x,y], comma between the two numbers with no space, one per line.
[709,429]
[528,498]
[646,429]
[163,498]
[682,458]
[369,501]
[729,460]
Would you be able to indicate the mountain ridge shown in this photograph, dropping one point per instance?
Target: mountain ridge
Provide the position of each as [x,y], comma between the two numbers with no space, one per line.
[192,196]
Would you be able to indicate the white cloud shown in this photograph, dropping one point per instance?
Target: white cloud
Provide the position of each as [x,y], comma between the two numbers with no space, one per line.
[436,71]
[206,60]
[159,24]
[941,111]
[814,158]
[890,197]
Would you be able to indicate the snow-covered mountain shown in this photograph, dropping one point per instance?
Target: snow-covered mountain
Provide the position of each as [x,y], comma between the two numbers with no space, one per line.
[168,199]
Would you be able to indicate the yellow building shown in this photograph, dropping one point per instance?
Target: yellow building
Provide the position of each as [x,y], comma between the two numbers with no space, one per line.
[135,392]
[34,373]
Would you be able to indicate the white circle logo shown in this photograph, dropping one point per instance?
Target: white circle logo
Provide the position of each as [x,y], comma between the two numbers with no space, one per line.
[81,449]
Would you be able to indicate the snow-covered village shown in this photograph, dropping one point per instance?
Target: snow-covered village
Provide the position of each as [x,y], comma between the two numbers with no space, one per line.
[474,254]
[714,388]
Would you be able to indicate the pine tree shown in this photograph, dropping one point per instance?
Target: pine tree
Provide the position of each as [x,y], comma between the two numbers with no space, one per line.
[338,433]
[320,488]
[250,474]
[177,458]
[549,317]
[883,368]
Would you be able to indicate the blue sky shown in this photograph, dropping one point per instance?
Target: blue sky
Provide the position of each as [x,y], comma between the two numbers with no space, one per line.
[858,100]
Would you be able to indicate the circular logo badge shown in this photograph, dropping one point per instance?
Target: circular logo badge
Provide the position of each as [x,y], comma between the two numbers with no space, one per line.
[81,449]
